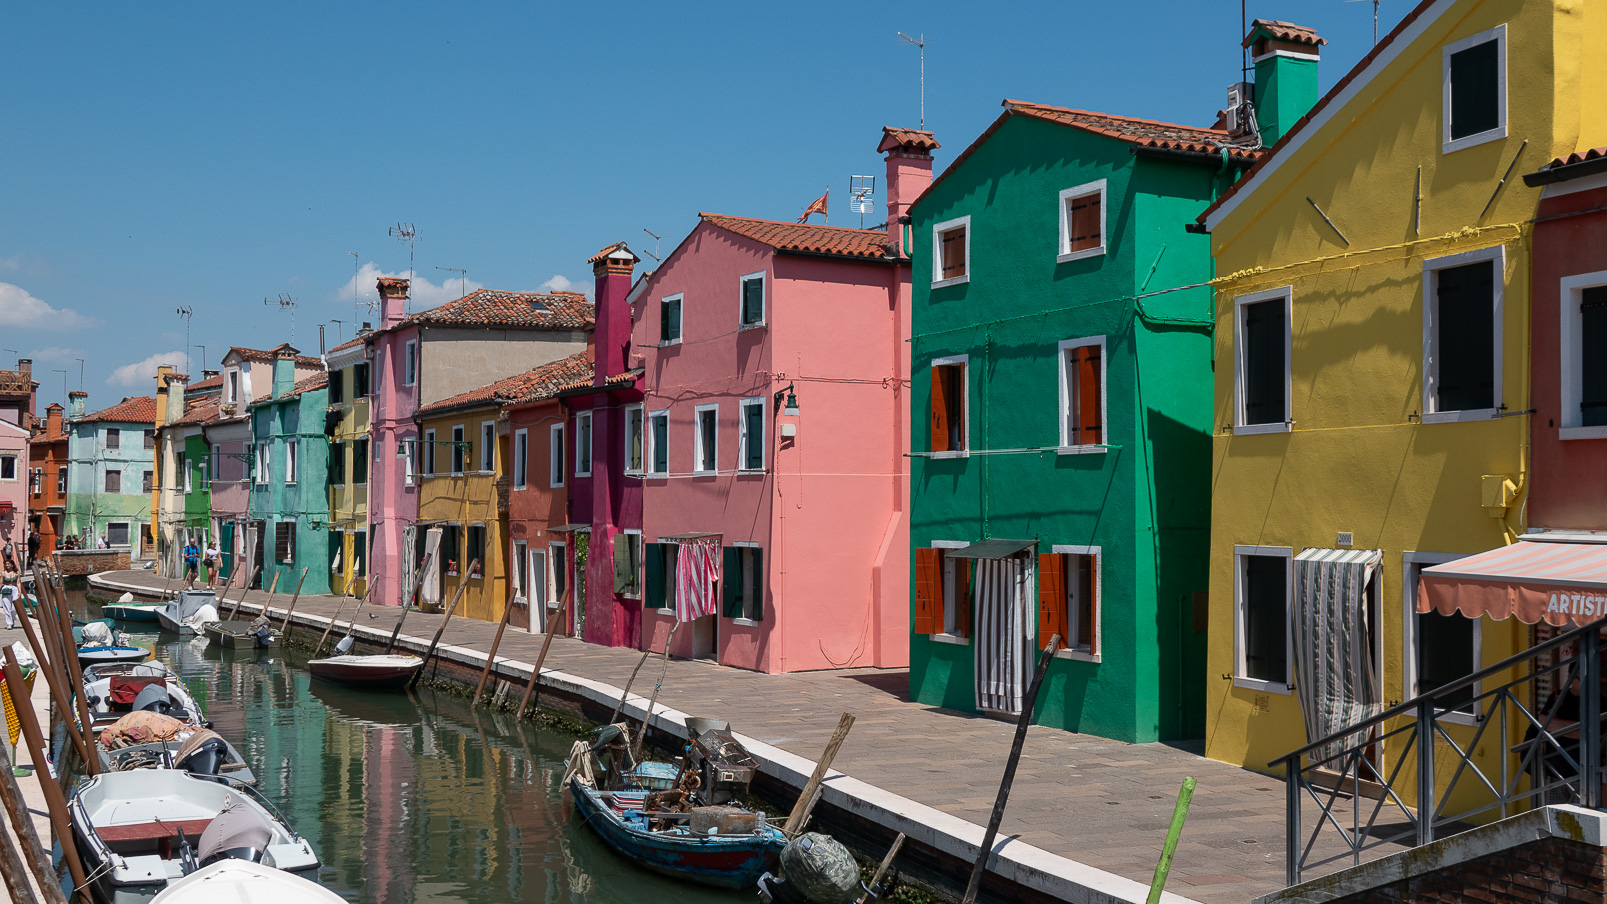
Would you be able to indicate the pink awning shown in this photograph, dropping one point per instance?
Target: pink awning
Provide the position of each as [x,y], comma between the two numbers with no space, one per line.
[1559,583]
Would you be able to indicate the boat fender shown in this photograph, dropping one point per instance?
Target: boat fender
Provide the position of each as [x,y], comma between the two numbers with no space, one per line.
[345,645]
[819,868]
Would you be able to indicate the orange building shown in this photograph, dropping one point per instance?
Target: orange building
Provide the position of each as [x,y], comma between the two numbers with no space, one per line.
[47,488]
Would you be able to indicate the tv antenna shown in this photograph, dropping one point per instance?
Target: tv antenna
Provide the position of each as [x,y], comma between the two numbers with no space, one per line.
[203,356]
[862,196]
[463,277]
[1375,18]
[359,297]
[285,303]
[186,312]
[920,43]
[654,253]
[80,372]
[63,380]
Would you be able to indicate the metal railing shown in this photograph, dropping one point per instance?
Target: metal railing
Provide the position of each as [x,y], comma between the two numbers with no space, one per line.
[1378,767]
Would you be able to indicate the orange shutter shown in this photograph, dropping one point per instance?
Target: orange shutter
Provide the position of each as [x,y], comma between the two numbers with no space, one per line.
[1085,223]
[928,590]
[1051,598]
[940,411]
[962,589]
[1089,397]
[1085,596]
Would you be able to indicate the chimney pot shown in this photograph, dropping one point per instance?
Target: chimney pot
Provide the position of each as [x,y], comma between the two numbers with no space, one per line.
[392,299]
[909,172]
[1285,57]
[612,268]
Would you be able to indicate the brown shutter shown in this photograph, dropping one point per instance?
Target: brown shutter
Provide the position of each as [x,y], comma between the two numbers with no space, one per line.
[1089,392]
[928,590]
[1085,223]
[940,411]
[1051,598]
[962,589]
[1085,595]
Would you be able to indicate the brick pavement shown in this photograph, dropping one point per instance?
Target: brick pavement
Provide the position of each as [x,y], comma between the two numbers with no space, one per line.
[1099,802]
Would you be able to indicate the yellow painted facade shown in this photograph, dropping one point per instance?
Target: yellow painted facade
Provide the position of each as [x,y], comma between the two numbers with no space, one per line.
[1357,456]
[348,501]
[466,498]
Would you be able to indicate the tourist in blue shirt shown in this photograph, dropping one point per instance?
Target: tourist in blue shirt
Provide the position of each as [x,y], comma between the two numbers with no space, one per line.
[192,564]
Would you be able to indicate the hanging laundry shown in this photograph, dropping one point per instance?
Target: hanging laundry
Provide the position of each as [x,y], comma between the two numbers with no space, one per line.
[696,569]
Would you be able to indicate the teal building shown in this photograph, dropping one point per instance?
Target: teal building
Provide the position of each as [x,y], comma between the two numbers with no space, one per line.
[1061,420]
[289,502]
[111,465]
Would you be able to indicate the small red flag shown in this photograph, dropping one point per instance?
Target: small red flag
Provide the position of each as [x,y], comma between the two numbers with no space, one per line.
[818,207]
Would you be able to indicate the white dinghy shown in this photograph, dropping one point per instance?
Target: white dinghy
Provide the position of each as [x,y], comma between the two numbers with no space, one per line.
[189,612]
[246,883]
[114,690]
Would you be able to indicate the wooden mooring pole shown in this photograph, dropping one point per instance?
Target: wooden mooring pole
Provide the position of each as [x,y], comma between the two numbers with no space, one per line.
[285,625]
[37,749]
[806,800]
[451,607]
[647,717]
[22,824]
[546,644]
[491,657]
[1163,868]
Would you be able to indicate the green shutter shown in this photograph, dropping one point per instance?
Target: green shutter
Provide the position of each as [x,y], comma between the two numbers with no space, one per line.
[654,598]
[752,301]
[756,441]
[731,582]
[758,583]
[622,564]
[661,444]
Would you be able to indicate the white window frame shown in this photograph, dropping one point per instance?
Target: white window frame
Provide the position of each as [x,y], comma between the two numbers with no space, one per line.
[14,475]
[742,427]
[488,451]
[965,402]
[410,363]
[937,252]
[556,472]
[639,440]
[264,463]
[231,386]
[184,469]
[1409,616]
[460,434]
[586,417]
[649,447]
[521,460]
[1240,679]
[1431,284]
[557,557]
[290,465]
[429,454]
[697,439]
[518,551]
[680,319]
[944,636]
[1067,399]
[1572,355]
[1097,187]
[409,460]
[1092,651]
[1448,144]
[744,621]
[1240,428]
[764,300]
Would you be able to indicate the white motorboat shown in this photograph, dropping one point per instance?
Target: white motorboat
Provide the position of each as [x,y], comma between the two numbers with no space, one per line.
[102,645]
[138,832]
[199,751]
[113,690]
[189,612]
[247,883]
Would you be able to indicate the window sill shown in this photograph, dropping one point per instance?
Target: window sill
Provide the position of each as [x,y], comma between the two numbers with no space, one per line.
[1457,718]
[582,473]
[634,472]
[1457,144]
[955,639]
[1452,417]
[1256,684]
[1084,254]
[745,622]
[963,453]
[521,486]
[752,326]
[951,281]
[672,342]
[1078,655]
[1081,450]
[555,486]
[1258,429]
[1582,433]
[750,471]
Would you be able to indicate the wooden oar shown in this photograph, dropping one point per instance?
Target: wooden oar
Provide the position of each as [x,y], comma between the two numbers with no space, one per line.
[535,673]
[285,626]
[492,656]
[335,618]
[451,607]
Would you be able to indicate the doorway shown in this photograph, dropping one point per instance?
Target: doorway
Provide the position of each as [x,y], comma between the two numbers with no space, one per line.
[1003,626]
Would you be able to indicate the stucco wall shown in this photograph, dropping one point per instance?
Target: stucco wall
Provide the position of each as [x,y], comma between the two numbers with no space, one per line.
[532,511]
[454,361]
[466,498]
[14,522]
[90,509]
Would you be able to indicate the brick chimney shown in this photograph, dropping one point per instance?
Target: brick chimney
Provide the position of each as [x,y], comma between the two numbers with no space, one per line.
[76,402]
[392,300]
[53,419]
[176,384]
[284,372]
[1285,57]
[909,172]
[163,372]
[612,267]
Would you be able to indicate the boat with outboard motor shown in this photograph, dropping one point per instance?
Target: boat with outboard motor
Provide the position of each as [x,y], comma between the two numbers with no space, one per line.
[239,634]
[244,882]
[188,613]
[198,751]
[128,609]
[373,672]
[139,832]
[101,644]
[113,690]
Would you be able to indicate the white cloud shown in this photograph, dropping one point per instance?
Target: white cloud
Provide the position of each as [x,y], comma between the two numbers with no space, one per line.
[140,373]
[424,293]
[55,353]
[561,283]
[22,310]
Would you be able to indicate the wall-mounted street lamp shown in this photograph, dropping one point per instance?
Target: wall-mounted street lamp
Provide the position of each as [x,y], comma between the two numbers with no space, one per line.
[791,404]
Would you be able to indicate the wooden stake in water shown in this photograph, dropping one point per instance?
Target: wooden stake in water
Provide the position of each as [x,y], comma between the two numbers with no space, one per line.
[451,607]
[55,801]
[413,600]
[535,673]
[1164,867]
[806,800]
[647,717]
[22,825]
[292,610]
[491,657]
[245,586]
[335,618]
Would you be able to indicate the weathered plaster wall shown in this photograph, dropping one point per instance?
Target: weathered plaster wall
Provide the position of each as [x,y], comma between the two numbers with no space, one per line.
[454,361]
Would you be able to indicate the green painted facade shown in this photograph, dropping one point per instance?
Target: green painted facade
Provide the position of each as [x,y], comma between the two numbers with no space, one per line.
[1143,500]
[292,416]
[198,498]
[94,507]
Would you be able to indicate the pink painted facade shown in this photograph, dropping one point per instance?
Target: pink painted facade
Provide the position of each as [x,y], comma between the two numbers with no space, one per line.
[827,507]
[392,491]
[14,488]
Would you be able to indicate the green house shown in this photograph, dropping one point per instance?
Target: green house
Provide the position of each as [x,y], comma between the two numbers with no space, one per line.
[289,504]
[1061,420]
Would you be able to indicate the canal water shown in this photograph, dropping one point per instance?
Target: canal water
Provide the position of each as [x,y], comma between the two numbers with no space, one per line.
[412,797]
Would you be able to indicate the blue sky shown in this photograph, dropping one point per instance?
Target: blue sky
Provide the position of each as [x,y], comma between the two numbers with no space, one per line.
[213,155]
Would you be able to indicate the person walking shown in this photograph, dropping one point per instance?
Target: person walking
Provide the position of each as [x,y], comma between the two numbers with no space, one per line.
[213,558]
[34,541]
[10,589]
[192,563]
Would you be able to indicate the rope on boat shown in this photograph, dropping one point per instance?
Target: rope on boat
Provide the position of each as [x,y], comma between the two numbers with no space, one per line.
[580,765]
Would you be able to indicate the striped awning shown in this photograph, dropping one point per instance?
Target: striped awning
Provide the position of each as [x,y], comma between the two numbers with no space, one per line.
[1556,582]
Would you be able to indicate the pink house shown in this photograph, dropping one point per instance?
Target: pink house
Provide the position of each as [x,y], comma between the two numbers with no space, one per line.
[775,424]
[14,478]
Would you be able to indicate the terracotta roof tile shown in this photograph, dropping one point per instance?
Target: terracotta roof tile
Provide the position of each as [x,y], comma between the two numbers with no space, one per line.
[617,380]
[869,244]
[44,434]
[914,139]
[134,410]
[213,382]
[531,386]
[305,384]
[270,354]
[205,411]
[1578,157]
[1283,31]
[1142,132]
[496,308]
[610,249]
[350,343]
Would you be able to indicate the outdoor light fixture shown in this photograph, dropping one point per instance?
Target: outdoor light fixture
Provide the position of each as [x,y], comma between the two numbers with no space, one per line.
[791,405]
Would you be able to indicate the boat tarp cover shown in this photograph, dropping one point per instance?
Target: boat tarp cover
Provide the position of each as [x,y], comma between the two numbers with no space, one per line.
[193,743]
[236,826]
[97,633]
[142,727]
[125,689]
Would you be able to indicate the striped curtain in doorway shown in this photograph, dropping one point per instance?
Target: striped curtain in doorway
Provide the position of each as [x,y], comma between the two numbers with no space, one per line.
[1336,672]
[1001,646]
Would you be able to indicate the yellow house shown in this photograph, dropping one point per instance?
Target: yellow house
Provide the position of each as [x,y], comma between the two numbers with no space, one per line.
[350,460]
[1372,372]
[462,494]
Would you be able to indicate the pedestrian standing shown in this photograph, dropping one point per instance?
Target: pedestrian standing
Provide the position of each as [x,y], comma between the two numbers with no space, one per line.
[192,564]
[33,546]
[104,543]
[214,557]
[10,589]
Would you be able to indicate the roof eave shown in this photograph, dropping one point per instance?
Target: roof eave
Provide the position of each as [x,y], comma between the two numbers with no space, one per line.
[1551,175]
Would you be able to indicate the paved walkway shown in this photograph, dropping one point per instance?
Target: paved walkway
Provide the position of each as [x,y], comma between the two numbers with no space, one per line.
[1102,803]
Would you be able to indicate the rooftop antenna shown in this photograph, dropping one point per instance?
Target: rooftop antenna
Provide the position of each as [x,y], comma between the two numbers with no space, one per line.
[203,356]
[357,291]
[921,44]
[1375,18]
[186,312]
[285,303]
[63,380]
[404,232]
[80,372]
[463,276]
[862,196]
[654,253]
[340,330]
